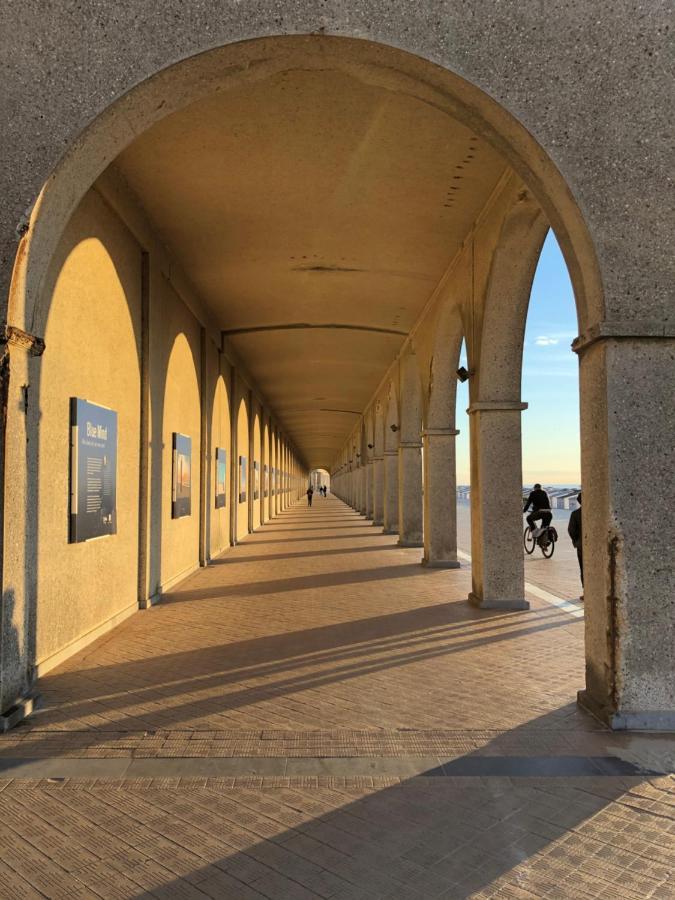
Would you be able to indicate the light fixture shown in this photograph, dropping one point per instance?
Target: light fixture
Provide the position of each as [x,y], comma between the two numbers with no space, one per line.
[463,374]
[370,446]
[394,428]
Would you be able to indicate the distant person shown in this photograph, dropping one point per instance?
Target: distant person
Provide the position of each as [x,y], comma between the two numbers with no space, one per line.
[574,529]
[310,494]
[541,508]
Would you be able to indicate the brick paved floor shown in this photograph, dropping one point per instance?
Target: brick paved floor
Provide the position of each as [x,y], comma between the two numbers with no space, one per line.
[319,638]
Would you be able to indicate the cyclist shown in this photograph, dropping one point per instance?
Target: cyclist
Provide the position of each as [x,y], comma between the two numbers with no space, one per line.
[541,509]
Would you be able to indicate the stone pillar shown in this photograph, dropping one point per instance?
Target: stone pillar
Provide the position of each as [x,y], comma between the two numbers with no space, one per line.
[378,490]
[410,497]
[369,489]
[390,492]
[627,386]
[440,499]
[362,489]
[497,568]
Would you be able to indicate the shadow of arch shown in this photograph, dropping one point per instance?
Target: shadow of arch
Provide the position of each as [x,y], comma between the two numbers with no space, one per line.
[255,473]
[241,500]
[85,243]
[218,520]
[179,370]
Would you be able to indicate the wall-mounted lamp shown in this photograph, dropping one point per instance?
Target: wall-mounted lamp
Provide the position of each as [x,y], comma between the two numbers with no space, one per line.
[463,374]
[358,456]
[394,428]
[370,446]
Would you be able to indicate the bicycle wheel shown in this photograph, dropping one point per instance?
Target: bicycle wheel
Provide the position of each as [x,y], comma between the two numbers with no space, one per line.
[547,549]
[528,541]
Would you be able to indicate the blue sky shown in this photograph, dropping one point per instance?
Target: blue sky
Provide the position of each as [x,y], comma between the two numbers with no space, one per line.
[550,381]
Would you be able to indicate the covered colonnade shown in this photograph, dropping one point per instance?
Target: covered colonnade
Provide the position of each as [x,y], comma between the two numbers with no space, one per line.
[260,262]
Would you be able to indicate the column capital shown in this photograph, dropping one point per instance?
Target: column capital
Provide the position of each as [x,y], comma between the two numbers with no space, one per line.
[16,337]
[496,406]
[437,432]
[409,445]
[642,329]
[391,452]
[378,458]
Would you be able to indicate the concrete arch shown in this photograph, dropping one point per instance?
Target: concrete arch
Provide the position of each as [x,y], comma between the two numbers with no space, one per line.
[500,354]
[441,396]
[411,399]
[391,418]
[242,470]
[184,82]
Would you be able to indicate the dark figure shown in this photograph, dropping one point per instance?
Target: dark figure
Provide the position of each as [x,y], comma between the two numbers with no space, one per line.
[574,530]
[310,494]
[541,507]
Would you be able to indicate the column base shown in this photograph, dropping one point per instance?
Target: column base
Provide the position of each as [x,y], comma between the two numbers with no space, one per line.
[378,524]
[496,603]
[627,720]
[390,531]
[440,563]
[402,543]
[20,711]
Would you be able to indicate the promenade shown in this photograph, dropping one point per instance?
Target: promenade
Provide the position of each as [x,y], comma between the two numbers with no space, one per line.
[317,715]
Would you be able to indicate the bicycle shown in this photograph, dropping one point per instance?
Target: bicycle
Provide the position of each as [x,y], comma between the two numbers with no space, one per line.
[545,539]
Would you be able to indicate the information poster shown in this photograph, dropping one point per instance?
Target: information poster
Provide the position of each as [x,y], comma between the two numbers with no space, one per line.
[182,476]
[93,470]
[256,480]
[266,480]
[242,479]
[221,477]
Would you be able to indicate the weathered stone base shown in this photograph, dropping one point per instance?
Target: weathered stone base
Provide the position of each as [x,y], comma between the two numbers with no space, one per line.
[495,603]
[17,713]
[390,531]
[440,563]
[662,720]
[401,543]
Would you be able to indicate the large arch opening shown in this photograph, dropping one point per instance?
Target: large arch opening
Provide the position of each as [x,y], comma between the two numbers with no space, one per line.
[314,196]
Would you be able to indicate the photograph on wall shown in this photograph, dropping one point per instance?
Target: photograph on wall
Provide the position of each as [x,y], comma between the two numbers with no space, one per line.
[256,480]
[182,476]
[221,477]
[266,480]
[93,471]
[242,479]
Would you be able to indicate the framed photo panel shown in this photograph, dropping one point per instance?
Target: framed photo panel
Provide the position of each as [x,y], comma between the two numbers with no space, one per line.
[242,479]
[221,477]
[181,486]
[256,480]
[93,471]
[266,480]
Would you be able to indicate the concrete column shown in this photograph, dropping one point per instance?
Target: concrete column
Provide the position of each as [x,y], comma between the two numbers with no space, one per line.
[410,497]
[391,492]
[628,514]
[440,499]
[369,489]
[498,580]
[378,490]
[362,489]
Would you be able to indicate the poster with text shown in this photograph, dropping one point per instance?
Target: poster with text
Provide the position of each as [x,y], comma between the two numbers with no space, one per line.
[221,477]
[93,470]
[256,480]
[242,479]
[266,480]
[182,476]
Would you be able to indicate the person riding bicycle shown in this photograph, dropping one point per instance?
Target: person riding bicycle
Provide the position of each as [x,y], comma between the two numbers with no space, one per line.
[541,509]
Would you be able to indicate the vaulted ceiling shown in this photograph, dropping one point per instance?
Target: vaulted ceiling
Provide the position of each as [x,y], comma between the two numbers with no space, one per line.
[314,214]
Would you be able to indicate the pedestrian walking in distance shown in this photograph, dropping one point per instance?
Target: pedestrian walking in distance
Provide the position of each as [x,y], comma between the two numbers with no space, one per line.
[310,494]
[574,529]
